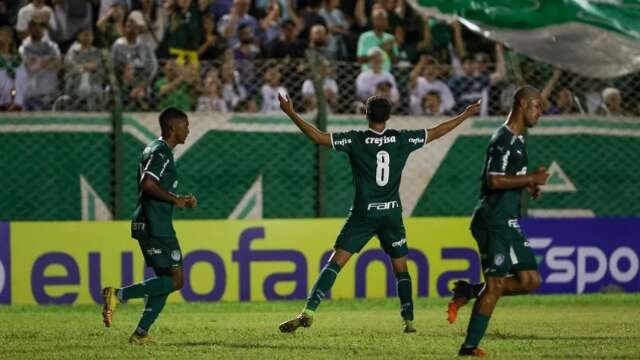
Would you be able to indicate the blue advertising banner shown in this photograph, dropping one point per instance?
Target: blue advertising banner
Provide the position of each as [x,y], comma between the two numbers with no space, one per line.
[586,255]
[5,264]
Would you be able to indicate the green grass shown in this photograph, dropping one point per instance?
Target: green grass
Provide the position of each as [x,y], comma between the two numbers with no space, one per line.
[530,327]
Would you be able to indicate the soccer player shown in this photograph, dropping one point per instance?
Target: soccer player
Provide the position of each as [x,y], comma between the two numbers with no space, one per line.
[153,228]
[377,158]
[508,262]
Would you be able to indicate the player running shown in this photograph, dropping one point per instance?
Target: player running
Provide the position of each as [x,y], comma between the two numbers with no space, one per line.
[508,262]
[377,157]
[153,228]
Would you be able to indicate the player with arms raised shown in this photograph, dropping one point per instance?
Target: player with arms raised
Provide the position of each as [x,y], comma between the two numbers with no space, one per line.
[153,228]
[508,262]
[377,158]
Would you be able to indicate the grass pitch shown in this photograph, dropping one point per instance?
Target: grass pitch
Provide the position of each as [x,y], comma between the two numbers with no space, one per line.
[526,327]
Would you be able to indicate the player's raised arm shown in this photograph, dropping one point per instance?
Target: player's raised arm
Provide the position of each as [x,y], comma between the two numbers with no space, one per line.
[443,128]
[317,136]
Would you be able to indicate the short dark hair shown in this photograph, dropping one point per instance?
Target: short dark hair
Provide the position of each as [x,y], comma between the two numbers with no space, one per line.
[378,109]
[168,116]
[433,93]
[524,93]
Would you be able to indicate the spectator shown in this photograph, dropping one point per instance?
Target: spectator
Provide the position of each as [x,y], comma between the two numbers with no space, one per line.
[233,93]
[310,16]
[136,62]
[329,85]
[475,81]
[423,79]
[611,103]
[176,87]
[106,5]
[71,17]
[287,44]
[432,105]
[270,90]
[368,80]
[9,66]
[211,98]
[245,53]
[84,73]
[155,21]
[338,27]
[213,45]
[36,10]
[42,61]
[112,25]
[230,24]
[563,103]
[377,38]
[318,40]
[270,24]
[185,32]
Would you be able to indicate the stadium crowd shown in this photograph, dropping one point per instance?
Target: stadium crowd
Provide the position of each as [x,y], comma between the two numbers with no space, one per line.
[237,55]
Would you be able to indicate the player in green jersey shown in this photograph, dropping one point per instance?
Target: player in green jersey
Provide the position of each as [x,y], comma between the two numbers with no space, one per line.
[152,226]
[378,156]
[508,262]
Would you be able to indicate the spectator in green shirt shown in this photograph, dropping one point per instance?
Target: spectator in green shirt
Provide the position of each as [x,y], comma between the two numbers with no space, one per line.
[378,38]
[177,87]
[185,31]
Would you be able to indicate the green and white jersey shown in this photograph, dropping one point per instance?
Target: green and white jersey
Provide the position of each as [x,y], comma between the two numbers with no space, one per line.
[377,160]
[506,155]
[156,215]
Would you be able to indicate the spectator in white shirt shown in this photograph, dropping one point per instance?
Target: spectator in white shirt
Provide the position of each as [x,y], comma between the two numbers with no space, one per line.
[424,79]
[368,80]
[270,91]
[38,11]
[329,86]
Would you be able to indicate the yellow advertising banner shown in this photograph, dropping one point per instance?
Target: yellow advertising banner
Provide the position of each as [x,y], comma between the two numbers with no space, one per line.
[69,262]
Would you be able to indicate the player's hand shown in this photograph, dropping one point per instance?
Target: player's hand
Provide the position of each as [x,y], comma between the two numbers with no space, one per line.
[535,191]
[192,202]
[285,104]
[473,109]
[540,176]
[181,202]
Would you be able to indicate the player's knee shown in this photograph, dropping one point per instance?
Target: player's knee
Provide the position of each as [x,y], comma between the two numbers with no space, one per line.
[495,286]
[534,283]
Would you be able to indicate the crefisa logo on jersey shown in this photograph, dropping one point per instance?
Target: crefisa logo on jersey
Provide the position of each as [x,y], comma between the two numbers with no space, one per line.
[342,142]
[416,141]
[380,140]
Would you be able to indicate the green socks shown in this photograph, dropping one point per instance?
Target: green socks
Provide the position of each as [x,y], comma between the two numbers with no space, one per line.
[161,285]
[323,284]
[477,327]
[152,308]
[403,285]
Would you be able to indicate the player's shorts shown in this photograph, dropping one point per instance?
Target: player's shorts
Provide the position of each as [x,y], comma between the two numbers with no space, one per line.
[161,252]
[358,230]
[504,251]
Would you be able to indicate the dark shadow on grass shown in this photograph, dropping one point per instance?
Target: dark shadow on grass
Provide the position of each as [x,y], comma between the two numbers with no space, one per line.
[246,346]
[502,336]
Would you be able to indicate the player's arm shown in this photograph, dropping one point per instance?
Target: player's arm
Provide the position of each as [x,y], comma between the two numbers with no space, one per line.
[151,186]
[530,181]
[443,128]
[317,136]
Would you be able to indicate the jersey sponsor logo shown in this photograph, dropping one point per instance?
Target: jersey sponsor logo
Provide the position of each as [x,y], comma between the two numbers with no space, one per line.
[399,242]
[380,140]
[498,259]
[513,223]
[383,205]
[154,251]
[137,226]
[175,255]
[505,160]
[342,142]
[416,141]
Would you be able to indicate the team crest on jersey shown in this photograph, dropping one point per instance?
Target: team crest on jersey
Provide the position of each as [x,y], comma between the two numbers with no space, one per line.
[175,255]
[498,259]
[175,184]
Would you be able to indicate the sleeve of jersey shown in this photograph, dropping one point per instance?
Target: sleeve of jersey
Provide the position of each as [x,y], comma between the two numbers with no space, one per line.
[342,141]
[414,139]
[156,164]
[498,159]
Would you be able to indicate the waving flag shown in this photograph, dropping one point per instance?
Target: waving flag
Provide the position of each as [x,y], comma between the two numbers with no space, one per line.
[594,38]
